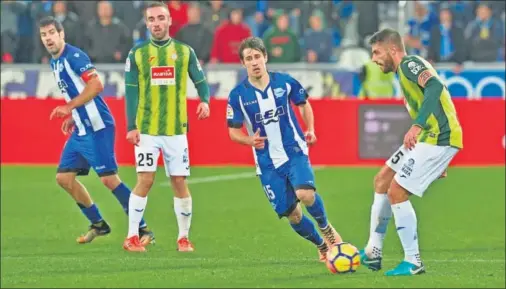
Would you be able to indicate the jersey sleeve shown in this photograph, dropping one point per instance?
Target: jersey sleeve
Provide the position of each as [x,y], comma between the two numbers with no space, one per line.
[235,117]
[198,77]
[195,69]
[81,65]
[131,70]
[416,71]
[131,90]
[298,94]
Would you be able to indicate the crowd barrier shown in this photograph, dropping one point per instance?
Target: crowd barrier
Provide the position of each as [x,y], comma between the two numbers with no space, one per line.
[475,81]
[350,132]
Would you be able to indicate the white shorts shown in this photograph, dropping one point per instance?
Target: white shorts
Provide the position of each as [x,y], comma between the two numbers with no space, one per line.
[174,151]
[416,169]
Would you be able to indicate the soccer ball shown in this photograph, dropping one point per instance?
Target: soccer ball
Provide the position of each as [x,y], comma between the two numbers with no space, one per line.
[343,258]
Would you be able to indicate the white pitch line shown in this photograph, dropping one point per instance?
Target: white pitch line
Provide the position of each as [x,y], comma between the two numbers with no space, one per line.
[227,177]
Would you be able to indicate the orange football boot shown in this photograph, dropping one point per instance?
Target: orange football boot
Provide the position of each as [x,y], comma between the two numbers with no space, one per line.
[133,244]
[184,245]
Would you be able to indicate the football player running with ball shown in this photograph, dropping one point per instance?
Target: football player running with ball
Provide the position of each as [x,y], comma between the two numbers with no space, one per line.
[430,144]
[156,76]
[263,102]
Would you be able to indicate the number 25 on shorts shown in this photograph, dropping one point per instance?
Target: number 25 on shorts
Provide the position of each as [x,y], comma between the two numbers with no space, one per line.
[145,159]
[269,192]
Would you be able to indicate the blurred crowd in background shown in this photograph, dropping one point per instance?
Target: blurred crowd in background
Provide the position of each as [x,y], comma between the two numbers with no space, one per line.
[293,31]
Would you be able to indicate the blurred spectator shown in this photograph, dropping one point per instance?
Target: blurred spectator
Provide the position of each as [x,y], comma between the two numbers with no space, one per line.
[447,42]
[70,23]
[108,39]
[462,11]
[484,36]
[374,83]
[9,29]
[179,14]
[141,31]
[213,14]
[253,14]
[228,37]
[318,42]
[196,34]
[24,49]
[325,8]
[281,43]
[274,8]
[41,9]
[130,12]
[419,29]
[368,20]
[85,10]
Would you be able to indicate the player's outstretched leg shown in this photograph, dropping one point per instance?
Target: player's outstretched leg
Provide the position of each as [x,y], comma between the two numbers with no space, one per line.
[406,224]
[78,192]
[122,194]
[315,207]
[183,212]
[307,230]
[381,213]
[136,206]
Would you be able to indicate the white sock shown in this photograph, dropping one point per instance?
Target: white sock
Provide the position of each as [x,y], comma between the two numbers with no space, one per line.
[183,210]
[381,212]
[405,221]
[136,206]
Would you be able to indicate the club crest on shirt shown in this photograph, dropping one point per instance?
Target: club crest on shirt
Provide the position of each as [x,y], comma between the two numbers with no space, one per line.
[279,92]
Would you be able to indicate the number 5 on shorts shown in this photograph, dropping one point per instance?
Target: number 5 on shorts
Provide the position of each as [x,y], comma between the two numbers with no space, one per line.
[269,192]
[145,159]
[397,157]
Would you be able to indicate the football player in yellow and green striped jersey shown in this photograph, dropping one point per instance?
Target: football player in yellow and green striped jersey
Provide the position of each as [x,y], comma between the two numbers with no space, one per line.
[433,140]
[156,78]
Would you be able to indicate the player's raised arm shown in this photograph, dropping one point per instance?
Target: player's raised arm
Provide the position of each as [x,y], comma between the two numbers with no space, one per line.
[199,80]
[416,71]
[83,71]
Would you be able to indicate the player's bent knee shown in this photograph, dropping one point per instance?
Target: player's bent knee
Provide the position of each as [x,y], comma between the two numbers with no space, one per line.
[397,194]
[111,181]
[306,196]
[65,180]
[296,215]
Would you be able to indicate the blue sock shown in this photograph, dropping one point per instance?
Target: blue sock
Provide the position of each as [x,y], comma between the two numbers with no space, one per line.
[91,213]
[122,193]
[317,210]
[307,230]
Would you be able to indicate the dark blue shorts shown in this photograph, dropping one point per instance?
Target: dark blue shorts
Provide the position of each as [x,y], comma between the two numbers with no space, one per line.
[280,184]
[94,150]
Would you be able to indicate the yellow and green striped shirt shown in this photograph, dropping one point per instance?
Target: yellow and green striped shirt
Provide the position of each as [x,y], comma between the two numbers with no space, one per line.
[436,113]
[156,73]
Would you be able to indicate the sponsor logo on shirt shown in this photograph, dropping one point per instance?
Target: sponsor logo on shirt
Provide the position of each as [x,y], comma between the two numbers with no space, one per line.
[163,75]
[270,116]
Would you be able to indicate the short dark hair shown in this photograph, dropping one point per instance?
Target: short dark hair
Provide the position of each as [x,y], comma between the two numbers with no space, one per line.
[50,20]
[154,4]
[387,35]
[252,43]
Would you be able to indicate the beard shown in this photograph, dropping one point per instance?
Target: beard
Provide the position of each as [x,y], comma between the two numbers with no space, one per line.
[388,65]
